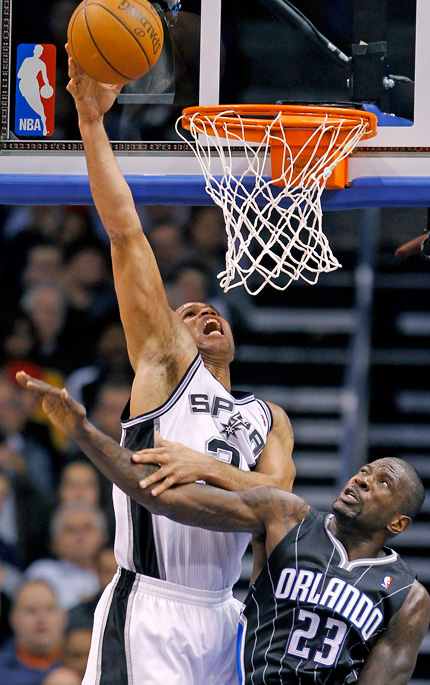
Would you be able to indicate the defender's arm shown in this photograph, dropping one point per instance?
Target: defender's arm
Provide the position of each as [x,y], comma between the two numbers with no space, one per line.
[260,510]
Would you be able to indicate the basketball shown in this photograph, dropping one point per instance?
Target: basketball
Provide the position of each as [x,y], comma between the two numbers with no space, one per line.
[115,41]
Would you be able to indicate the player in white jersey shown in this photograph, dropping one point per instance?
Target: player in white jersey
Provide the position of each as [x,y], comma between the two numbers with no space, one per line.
[209,418]
[163,570]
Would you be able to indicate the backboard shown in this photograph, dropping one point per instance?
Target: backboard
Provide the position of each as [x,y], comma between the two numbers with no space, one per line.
[257,51]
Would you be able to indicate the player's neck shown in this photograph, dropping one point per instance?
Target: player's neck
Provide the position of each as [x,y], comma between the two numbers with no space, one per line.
[219,370]
[358,543]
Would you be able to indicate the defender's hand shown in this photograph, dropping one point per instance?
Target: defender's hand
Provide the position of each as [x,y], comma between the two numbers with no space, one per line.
[178,464]
[62,410]
[92,99]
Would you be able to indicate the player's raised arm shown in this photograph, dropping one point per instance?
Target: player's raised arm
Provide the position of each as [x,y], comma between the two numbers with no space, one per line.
[143,305]
[393,658]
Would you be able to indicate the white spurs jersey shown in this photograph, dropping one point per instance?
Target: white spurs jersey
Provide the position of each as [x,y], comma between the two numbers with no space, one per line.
[204,416]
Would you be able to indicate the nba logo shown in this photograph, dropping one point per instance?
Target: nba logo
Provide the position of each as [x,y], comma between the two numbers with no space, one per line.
[35,89]
[386,582]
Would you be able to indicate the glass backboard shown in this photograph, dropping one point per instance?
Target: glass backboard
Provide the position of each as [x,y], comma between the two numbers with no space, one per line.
[255,51]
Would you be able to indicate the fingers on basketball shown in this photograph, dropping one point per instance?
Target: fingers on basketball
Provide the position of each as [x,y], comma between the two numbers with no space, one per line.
[115,43]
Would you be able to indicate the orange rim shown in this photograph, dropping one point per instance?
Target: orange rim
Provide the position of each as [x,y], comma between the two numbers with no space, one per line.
[255,118]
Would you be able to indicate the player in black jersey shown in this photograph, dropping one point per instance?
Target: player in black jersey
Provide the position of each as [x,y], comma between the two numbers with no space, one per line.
[333,605]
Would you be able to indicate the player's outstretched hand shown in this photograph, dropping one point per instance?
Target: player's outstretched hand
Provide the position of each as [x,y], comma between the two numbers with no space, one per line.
[92,99]
[178,465]
[62,410]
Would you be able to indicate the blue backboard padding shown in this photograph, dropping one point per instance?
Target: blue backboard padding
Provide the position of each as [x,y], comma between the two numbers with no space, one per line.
[373,191]
[190,190]
[386,119]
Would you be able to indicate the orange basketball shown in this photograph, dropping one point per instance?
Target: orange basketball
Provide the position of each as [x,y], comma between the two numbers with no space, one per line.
[115,41]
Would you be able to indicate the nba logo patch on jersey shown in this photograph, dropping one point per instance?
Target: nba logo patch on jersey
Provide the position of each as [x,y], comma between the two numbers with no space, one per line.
[386,582]
[35,89]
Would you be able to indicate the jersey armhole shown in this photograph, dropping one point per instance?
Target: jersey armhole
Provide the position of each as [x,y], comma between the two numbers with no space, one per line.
[268,413]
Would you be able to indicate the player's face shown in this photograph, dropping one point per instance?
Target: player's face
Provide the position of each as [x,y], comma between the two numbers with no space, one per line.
[211,332]
[373,496]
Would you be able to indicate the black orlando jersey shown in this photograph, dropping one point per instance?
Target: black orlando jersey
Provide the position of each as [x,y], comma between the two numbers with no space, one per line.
[313,616]
[204,416]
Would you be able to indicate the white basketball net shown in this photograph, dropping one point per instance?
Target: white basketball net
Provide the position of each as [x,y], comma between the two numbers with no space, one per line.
[275,232]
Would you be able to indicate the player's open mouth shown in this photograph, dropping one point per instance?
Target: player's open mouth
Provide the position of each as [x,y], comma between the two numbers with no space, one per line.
[212,327]
[349,495]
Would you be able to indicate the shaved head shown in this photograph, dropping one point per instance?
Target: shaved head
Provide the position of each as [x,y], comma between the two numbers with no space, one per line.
[412,486]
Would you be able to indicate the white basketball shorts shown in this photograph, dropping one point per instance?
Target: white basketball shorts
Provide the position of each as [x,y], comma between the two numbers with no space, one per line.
[151,632]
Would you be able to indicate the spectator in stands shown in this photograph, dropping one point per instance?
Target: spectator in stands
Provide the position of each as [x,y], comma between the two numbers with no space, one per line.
[78,642]
[27,226]
[19,339]
[111,400]
[111,364]
[43,266]
[89,293]
[82,615]
[5,607]
[29,450]
[38,625]
[78,531]
[112,396]
[192,284]
[206,232]
[47,308]
[24,520]
[76,229]
[169,247]
[79,482]
[62,675]
[11,566]
[152,215]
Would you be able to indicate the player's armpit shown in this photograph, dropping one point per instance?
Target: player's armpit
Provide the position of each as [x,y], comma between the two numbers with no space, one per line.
[393,658]
[259,556]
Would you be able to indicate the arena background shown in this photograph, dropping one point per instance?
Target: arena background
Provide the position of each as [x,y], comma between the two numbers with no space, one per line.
[348,359]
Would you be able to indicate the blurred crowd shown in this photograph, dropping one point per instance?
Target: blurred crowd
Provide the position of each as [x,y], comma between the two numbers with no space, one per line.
[60,323]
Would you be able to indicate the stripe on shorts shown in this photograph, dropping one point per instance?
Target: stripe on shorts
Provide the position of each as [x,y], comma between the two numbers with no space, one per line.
[114,659]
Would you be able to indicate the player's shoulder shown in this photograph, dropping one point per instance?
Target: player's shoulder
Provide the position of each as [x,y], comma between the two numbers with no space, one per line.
[280,418]
[418,599]
[279,415]
[292,505]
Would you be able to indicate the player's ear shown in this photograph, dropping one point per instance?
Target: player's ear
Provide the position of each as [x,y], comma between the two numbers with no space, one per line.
[399,523]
